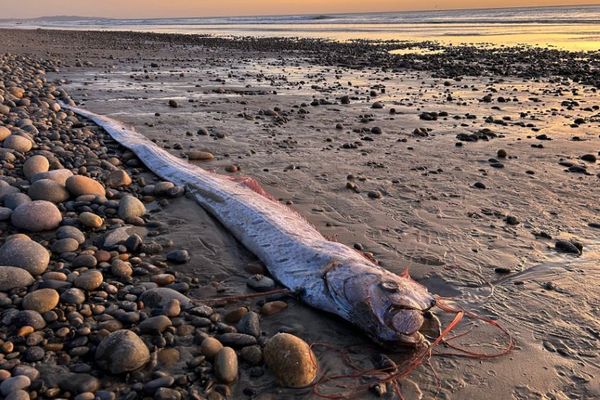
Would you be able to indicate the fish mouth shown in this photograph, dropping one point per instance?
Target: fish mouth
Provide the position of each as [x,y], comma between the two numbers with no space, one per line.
[406,322]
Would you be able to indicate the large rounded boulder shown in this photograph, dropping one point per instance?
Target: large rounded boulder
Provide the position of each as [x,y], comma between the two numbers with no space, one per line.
[37,216]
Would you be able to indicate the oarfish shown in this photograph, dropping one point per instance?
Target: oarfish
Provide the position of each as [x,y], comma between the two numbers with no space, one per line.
[326,275]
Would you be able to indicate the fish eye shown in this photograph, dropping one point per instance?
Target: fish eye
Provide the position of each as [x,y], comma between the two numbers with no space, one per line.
[390,286]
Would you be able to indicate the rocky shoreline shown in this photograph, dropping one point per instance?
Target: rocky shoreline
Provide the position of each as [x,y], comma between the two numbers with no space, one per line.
[91,308]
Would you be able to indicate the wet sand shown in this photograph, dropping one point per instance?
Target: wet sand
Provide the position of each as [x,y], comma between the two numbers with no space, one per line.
[405,192]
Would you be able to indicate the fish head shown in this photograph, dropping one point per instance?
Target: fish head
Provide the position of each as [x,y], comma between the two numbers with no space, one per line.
[388,307]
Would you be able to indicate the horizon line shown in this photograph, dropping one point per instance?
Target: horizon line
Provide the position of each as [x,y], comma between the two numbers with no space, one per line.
[302,14]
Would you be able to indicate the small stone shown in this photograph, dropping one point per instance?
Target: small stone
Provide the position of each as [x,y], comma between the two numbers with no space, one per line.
[252,355]
[89,280]
[79,383]
[273,307]
[501,153]
[261,283]
[511,220]
[79,185]
[65,245]
[374,194]
[4,133]
[90,220]
[37,216]
[122,351]
[237,340]
[18,143]
[13,278]
[41,300]
[249,324]
[57,175]
[226,365]
[13,384]
[160,297]
[5,213]
[173,104]
[197,155]
[567,246]
[47,189]
[121,269]
[35,165]
[28,318]
[155,325]
[118,178]
[130,207]
[210,347]
[72,296]
[291,360]
[178,256]
[72,232]
[26,254]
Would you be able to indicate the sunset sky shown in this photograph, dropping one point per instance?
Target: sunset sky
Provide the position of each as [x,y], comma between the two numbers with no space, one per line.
[199,8]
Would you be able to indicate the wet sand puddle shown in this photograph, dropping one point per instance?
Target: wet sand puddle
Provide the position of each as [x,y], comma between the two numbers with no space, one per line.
[427,216]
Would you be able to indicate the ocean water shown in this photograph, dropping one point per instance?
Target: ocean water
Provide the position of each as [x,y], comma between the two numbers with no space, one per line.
[571,28]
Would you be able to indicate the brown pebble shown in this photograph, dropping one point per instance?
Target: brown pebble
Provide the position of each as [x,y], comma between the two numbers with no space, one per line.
[273,307]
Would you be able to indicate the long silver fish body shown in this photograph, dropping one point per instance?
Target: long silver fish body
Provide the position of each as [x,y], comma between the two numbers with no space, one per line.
[326,275]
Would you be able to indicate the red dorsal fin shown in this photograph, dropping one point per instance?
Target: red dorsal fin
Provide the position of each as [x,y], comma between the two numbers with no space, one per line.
[253,184]
[405,273]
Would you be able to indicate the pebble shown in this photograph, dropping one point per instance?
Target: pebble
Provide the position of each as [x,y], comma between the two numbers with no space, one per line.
[210,347]
[122,351]
[18,395]
[4,133]
[130,207]
[5,213]
[41,300]
[121,269]
[79,185]
[155,325]
[34,165]
[79,383]
[226,365]
[178,256]
[237,340]
[273,307]
[37,216]
[249,324]
[89,280]
[73,296]
[57,175]
[28,318]
[568,246]
[260,283]
[13,384]
[18,143]
[291,360]
[47,189]
[160,297]
[72,232]
[26,254]
[12,278]
[118,178]
[252,355]
[90,220]
[197,155]
[14,200]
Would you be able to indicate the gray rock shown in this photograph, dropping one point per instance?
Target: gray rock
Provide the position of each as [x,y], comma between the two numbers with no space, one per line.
[13,384]
[35,165]
[79,383]
[28,317]
[72,232]
[130,207]
[65,245]
[5,213]
[226,365]
[73,296]
[47,189]
[160,297]
[13,277]
[155,325]
[36,216]
[14,200]
[249,324]
[6,189]
[115,237]
[260,283]
[122,351]
[178,256]
[26,254]
[57,175]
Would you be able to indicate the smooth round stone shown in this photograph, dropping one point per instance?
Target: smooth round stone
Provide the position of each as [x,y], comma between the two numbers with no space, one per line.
[65,245]
[210,347]
[26,254]
[130,207]
[5,213]
[197,155]
[79,185]
[252,354]
[249,324]
[155,325]
[57,175]
[6,189]
[4,133]
[37,216]
[28,318]
[89,280]
[26,370]
[261,283]
[18,143]
[13,277]
[122,351]
[33,354]
[90,220]
[5,110]
[118,178]
[163,188]
[155,384]
[84,260]
[13,384]
[73,296]
[71,232]
[41,300]
[160,297]
[121,269]
[14,200]
[35,165]
[291,360]
[47,189]
[18,395]
[226,365]
[178,256]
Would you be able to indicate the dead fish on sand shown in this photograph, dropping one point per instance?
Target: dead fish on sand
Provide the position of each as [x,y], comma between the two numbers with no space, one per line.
[327,275]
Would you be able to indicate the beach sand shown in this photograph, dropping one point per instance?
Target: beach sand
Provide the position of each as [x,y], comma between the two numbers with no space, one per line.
[474,221]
